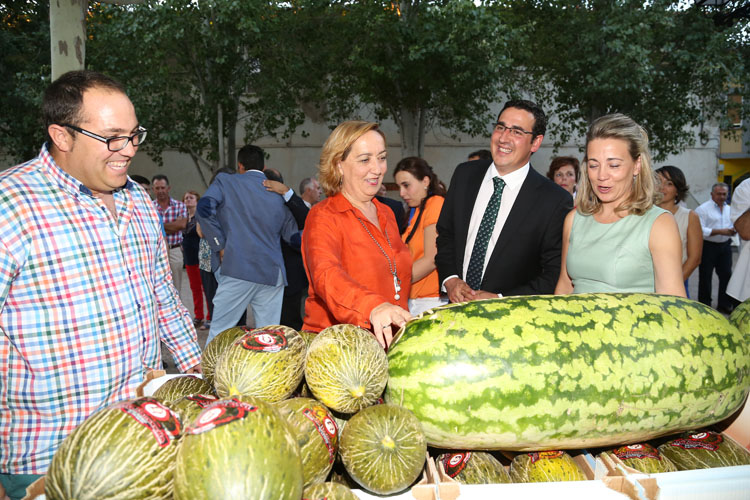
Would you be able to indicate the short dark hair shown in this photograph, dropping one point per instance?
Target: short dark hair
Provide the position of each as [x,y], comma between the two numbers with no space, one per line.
[140,179]
[273,175]
[251,157]
[160,177]
[483,154]
[540,119]
[63,98]
[677,178]
[559,162]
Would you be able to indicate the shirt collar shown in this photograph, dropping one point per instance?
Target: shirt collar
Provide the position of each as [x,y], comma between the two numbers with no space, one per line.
[512,180]
[66,181]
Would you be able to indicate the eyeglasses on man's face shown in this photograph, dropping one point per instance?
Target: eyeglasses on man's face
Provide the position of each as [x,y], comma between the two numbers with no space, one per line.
[516,132]
[114,143]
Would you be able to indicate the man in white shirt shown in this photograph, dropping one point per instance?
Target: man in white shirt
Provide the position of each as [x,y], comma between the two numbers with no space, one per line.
[717,251]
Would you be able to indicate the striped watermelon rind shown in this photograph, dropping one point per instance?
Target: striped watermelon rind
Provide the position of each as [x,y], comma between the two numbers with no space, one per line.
[567,372]
[126,450]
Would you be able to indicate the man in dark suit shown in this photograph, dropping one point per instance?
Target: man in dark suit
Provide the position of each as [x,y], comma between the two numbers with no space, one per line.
[513,249]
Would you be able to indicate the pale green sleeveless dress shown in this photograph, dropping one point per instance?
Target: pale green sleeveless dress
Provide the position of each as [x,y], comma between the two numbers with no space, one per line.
[612,257]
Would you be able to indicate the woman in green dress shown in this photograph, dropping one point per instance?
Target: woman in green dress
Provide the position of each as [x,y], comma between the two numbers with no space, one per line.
[616,239]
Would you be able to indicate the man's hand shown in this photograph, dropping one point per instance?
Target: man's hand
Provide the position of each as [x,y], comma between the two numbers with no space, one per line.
[276,186]
[196,369]
[458,290]
[481,294]
[381,319]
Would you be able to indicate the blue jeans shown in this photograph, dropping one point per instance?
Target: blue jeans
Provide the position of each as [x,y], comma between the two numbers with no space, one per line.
[234,295]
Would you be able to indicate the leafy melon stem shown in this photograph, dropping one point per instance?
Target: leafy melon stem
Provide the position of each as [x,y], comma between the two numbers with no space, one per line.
[388,442]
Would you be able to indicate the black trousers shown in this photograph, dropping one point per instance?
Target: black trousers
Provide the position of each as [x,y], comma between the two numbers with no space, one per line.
[716,256]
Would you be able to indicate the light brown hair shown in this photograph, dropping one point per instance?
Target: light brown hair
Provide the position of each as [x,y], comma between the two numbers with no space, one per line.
[336,148]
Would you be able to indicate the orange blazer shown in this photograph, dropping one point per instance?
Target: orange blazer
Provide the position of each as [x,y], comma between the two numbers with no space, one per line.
[348,273]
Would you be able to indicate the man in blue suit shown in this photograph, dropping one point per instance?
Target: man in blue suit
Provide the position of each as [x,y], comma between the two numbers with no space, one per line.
[245,223]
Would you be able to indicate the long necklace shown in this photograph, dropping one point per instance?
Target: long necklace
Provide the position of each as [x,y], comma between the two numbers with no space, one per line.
[391,264]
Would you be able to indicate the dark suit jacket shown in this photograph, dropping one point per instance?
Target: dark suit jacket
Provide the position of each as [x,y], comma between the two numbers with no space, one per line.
[295,270]
[398,211]
[526,258]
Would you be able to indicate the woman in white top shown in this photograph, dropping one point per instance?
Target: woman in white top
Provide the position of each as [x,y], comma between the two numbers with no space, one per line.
[674,188]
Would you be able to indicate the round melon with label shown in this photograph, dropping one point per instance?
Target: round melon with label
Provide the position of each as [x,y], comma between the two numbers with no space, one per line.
[474,467]
[126,450]
[545,466]
[317,436]
[177,387]
[216,348]
[704,450]
[644,458]
[188,407]
[328,491]
[383,448]
[346,368]
[267,362]
[238,448]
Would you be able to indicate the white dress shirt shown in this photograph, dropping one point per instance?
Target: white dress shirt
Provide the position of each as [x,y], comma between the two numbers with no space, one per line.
[714,217]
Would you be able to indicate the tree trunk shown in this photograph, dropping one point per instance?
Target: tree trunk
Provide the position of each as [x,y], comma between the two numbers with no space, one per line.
[231,144]
[411,125]
[67,25]
[220,135]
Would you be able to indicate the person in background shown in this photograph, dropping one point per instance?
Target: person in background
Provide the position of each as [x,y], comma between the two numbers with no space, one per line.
[563,171]
[310,191]
[481,154]
[718,230]
[358,267]
[174,215]
[143,181]
[85,289]
[244,223]
[616,239]
[673,189]
[190,245]
[500,229]
[423,193]
[396,206]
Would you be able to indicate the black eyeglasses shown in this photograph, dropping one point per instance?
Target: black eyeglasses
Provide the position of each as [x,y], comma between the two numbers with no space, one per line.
[114,143]
[515,131]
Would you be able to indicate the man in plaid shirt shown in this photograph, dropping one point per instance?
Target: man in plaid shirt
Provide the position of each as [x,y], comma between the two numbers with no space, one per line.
[175,216]
[86,293]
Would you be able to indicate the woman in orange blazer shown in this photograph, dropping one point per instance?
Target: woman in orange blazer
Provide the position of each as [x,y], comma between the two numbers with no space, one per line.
[358,267]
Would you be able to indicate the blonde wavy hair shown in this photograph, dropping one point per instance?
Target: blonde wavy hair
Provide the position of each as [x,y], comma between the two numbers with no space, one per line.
[624,128]
[336,148]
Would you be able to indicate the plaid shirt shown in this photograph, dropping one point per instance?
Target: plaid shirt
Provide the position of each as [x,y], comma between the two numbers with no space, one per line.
[84,302]
[174,211]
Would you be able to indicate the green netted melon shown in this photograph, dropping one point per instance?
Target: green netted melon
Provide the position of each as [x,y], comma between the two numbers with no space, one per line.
[644,458]
[175,388]
[740,318]
[545,466]
[238,448]
[328,491]
[317,436]
[125,451]
[188,407]
[216,348]
[267,362]
[346,368]
[383,448]
[474,467]
[704,450]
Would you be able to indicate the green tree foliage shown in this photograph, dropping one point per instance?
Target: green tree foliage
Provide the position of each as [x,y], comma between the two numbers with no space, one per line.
[24,73]
[198,73]
[667,67]
[423,64]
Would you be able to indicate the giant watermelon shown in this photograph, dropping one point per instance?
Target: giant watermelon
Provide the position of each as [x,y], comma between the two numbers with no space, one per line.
[575,371]
[124,451]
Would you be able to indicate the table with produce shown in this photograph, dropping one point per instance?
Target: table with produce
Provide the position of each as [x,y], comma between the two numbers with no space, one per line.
[495,391]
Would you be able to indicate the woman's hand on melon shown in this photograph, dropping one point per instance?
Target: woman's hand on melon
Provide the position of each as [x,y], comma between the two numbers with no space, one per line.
[382,318]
